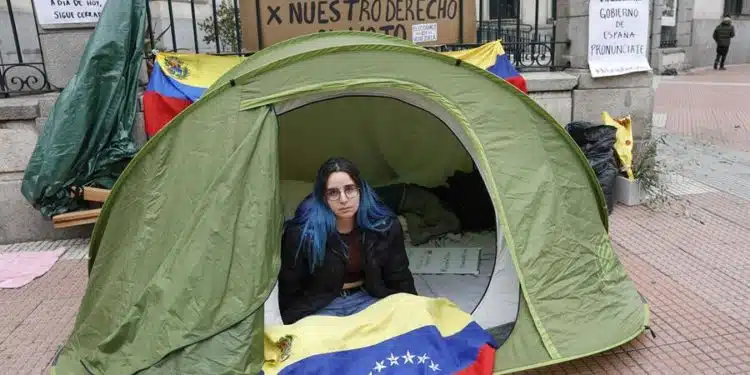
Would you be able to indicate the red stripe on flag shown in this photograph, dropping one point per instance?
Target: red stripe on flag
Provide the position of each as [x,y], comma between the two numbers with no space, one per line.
[519,82]
[484,364]
[159,110]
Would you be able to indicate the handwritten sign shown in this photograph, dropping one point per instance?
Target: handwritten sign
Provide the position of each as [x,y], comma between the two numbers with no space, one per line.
[68,12]
[424,32]
[618,37]
[422,21]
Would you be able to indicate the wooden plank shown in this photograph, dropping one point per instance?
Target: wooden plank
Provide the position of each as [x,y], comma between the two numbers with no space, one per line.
[71,223]
[92,194]
[77,215]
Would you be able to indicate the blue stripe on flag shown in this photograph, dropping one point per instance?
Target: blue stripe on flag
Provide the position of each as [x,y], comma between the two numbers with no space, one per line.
[503,68]
[166,86]
[420,351]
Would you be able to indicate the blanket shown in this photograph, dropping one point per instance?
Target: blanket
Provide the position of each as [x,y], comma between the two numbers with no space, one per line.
[437,337]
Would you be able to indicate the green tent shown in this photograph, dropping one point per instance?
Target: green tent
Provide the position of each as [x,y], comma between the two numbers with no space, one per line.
[185,252]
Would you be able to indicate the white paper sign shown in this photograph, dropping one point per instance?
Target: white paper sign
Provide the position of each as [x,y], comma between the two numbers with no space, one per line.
[424,32]
[618,37]
[669,13]
[444,260]
[68,12]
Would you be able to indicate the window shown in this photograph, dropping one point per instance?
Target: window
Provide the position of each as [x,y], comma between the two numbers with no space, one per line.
[737,7]
[508,9]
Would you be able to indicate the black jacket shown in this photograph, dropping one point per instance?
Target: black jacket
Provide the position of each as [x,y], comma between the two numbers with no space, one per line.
[385,266]
[723,34]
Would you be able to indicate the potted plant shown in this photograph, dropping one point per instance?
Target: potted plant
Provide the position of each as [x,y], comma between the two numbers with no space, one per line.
[645,185]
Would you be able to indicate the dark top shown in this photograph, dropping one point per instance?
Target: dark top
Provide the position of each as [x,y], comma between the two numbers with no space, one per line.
[384,267]
[723,34]
[354,266]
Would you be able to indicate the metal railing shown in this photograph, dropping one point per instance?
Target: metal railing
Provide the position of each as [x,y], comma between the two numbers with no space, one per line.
[214,27]
[527,31]
[22,69]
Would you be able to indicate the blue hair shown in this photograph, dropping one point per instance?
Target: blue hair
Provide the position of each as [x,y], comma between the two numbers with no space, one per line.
[318,222]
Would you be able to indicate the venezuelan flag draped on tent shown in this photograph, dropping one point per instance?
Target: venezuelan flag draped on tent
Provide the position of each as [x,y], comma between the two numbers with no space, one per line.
[491,57]
[179,79]
[437,337]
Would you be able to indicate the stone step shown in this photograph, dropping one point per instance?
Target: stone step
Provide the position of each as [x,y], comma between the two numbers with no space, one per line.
[17,142]
[14,109]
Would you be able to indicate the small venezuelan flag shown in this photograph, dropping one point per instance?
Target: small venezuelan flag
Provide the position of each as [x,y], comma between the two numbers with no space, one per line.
[491,57]
[399,335]
[178,80]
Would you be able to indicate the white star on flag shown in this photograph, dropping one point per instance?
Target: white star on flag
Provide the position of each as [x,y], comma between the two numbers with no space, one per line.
[423,358]
[393,359]
[408,358]
[434,366]
[379,366]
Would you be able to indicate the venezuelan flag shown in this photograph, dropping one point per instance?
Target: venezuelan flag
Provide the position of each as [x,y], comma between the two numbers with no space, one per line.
[491,57]
[177,80]
[402,335]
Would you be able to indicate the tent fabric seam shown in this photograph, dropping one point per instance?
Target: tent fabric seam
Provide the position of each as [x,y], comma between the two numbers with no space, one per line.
[248,104]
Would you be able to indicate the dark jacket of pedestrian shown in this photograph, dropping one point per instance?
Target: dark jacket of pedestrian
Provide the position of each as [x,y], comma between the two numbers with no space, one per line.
[724,33]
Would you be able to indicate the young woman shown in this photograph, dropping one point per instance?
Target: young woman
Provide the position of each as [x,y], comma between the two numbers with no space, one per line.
[342,251]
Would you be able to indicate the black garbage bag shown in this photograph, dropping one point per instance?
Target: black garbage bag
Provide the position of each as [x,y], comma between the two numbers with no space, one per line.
[597,142]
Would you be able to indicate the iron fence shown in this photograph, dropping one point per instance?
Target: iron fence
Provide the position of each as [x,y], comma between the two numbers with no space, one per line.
[22,69]
[527,30]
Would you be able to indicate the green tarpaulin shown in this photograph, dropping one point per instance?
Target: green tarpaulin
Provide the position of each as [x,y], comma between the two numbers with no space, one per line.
[87,139]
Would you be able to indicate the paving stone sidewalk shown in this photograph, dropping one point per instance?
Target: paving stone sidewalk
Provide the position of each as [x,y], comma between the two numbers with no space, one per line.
[691,259]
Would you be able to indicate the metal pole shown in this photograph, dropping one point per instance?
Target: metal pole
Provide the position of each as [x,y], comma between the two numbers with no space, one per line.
[195,26]
[536,30]
[150,29]
[171,24]
[499,18]
[517,56]
[460,20]
[15,32]
[553,44]
[216,27]
[480,30]
[237,27]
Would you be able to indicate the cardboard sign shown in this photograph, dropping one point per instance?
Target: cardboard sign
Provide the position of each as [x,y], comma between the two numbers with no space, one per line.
[265,22]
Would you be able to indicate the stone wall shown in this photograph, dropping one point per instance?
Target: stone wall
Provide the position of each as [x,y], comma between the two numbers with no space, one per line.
[703,49]
[696,20]
[574,95]
[22,120]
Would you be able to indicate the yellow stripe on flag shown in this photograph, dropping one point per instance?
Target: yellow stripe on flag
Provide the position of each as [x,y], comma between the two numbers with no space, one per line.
[483,56]
[196,70]
[390,317]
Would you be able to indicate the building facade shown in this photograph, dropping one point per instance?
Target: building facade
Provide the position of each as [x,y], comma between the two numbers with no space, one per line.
[684,36]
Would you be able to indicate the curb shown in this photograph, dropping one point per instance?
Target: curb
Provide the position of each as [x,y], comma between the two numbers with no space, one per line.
[710,67]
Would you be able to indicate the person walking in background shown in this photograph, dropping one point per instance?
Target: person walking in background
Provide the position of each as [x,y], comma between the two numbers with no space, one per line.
[723,35]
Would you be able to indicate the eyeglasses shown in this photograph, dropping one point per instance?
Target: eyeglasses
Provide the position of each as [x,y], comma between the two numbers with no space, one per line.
[351,191]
